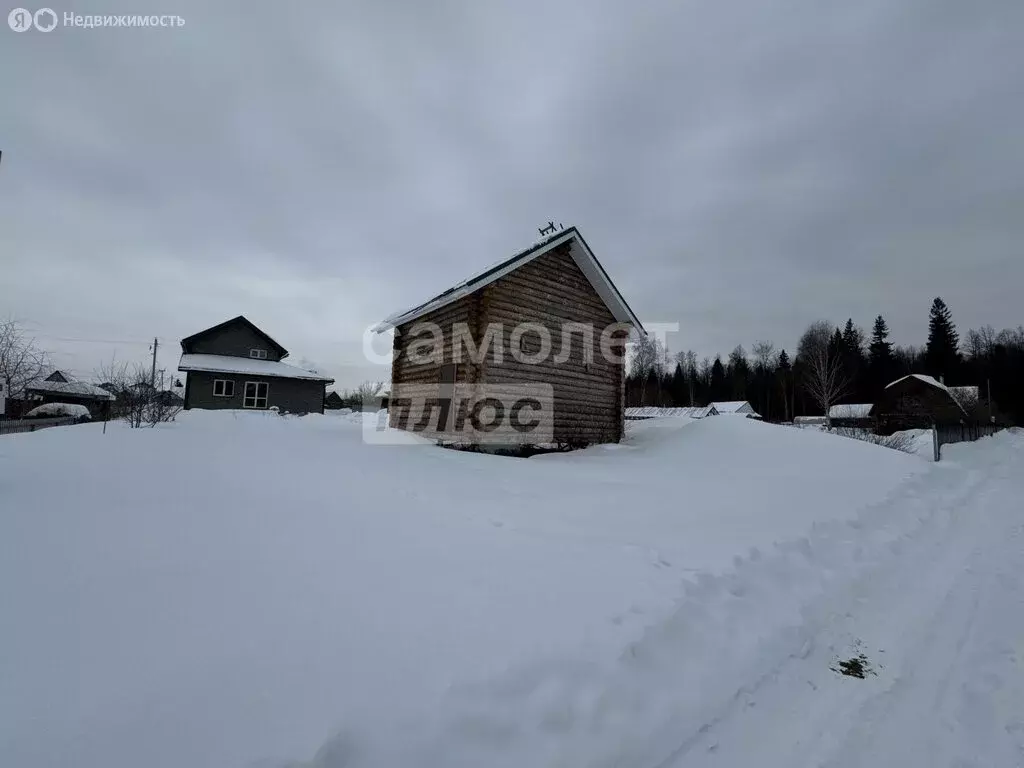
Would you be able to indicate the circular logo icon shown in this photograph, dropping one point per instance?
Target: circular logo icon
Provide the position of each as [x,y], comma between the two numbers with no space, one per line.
[19,20]
[45,19]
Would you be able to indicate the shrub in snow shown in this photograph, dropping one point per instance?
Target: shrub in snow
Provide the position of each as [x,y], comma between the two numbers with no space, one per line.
[49,410]
[899,441]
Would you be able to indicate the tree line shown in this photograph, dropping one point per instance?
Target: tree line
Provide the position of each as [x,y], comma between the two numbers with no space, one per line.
[832,365]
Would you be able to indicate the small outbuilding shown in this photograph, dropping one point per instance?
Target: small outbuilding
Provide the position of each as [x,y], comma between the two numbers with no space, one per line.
[652,412]
[851,415]
[736,408]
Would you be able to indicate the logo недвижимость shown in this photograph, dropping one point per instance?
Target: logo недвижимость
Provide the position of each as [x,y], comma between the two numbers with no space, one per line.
[22,19]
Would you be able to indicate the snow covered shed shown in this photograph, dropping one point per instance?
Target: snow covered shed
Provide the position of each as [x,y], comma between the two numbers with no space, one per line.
[537,339]
[62,387]
[736,408]
[916,402]
[237,365]
[653,412]
[855,415]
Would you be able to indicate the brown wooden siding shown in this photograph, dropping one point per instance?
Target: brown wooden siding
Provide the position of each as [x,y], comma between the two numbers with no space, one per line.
[408,371]
[551,291]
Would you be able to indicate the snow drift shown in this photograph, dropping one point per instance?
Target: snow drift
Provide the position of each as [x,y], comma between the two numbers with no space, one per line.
[246,587]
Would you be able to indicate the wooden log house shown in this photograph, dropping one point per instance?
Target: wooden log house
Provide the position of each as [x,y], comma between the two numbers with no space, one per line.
[554,285]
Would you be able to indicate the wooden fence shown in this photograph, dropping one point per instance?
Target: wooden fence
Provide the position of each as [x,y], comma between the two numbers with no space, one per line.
[15,426]
[959,433]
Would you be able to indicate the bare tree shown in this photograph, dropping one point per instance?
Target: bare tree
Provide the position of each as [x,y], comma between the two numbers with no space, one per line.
[825,378]
[704,371]
[647,358]
[764,355]
[21,361]
[367,392]
[137,403]
[764,363]
[690,368]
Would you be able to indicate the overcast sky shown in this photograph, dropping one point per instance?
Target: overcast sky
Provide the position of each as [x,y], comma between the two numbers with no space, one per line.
[739,168]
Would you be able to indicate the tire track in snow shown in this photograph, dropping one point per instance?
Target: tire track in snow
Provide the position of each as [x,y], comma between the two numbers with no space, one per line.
[946,582]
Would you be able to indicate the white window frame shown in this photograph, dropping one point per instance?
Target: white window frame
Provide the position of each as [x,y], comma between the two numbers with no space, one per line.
[228,384]
[258,354]
[256,398]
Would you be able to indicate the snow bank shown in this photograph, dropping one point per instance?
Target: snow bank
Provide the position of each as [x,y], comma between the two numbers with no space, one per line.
[250,584]
[59,409]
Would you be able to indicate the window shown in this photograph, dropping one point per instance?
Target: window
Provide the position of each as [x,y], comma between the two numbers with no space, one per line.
[223,388]
[259,354]
[255,394]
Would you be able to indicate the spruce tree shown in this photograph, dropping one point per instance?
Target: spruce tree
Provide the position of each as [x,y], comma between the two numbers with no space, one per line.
[785,375]
[942,354]
[881,361]
[718,387]
[853,358]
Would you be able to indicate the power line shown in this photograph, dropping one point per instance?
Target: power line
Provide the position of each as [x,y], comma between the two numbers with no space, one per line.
[93,341]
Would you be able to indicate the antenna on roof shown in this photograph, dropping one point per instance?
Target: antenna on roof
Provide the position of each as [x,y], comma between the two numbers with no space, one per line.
[548,230]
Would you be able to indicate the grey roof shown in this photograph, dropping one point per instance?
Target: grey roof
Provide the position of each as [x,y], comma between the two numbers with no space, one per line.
[245,365]
[70,387]
[581,254]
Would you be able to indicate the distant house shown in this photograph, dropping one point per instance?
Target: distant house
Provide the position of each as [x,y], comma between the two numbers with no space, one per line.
[917,402]
[652,412]
[237,365]
[736,408]
[856,415]
[62,387]
[540,317]
[170,397]
[333,401]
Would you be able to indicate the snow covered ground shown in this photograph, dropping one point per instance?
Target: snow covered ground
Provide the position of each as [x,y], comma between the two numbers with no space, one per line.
[253,590]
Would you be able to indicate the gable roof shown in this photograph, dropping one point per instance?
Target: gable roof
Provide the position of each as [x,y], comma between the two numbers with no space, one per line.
[733,406]
[967,396]
[68,386]
[920,377]
[580,253]
[937,384]
[281,351]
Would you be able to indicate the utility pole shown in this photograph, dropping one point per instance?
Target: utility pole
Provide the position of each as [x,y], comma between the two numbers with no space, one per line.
[152,375]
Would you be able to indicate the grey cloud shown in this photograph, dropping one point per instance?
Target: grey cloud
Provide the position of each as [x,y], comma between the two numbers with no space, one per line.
[739,170]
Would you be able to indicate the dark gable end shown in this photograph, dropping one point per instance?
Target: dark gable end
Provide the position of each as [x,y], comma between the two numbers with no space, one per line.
[240,326]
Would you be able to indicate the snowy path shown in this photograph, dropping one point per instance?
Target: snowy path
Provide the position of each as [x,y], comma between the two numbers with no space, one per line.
[942,622]
[928,585]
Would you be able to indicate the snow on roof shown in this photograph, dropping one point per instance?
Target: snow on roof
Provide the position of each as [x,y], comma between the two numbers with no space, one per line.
[652,412]
[581,254]
[967,397]
[926,379]
[76,388]
[231,364]
[733,406]
[850,411]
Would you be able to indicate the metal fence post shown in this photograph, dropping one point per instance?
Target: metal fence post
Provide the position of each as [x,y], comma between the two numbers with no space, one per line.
[936,447]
